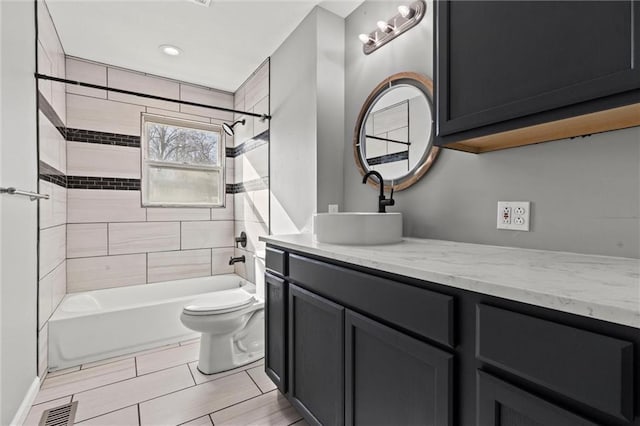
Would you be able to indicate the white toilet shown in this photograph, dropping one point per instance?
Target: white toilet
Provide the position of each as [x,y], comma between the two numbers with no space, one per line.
[231,323]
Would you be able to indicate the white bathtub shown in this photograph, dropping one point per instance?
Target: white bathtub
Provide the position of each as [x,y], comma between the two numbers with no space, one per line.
[95,325]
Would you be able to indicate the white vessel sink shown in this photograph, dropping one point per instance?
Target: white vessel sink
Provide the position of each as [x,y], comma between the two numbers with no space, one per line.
[358,228]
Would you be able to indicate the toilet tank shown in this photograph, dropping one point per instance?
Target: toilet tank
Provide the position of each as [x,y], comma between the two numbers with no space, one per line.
[259,273]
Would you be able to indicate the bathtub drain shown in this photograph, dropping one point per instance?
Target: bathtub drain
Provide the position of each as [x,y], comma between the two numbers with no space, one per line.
[63,415]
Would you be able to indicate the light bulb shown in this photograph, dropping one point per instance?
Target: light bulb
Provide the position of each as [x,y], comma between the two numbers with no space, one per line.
[405,11]
[365,38]
[167,49]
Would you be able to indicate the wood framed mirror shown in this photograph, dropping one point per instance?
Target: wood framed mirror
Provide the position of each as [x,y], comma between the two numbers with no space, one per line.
[394,131]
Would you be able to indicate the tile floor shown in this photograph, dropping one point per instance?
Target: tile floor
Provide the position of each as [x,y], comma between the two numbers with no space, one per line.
[162,386]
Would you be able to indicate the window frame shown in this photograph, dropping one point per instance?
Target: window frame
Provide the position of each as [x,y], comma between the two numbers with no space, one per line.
[145,162]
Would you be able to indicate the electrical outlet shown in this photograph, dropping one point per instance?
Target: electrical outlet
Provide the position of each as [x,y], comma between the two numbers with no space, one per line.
[514,215]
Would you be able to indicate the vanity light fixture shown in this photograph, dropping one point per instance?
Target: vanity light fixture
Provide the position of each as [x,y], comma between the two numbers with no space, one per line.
[170,50]
[408,17]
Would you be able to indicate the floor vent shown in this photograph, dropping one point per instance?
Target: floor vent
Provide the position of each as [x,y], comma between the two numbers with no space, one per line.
[63,415]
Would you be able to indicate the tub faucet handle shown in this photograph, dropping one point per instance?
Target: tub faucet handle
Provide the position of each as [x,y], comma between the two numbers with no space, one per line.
[241,240]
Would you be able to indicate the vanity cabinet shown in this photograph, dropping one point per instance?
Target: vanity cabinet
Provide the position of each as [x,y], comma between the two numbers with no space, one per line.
[513,73]
[367,347]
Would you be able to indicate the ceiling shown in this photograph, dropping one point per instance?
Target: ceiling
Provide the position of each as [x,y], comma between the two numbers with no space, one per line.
[221,44]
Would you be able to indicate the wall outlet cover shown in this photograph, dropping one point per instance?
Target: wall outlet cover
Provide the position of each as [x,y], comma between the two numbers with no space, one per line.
[514,215]
[333,208]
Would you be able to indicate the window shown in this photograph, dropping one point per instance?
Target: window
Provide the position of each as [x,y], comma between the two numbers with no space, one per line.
[182,163]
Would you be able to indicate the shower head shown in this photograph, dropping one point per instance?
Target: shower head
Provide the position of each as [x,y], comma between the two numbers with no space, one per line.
[228,128]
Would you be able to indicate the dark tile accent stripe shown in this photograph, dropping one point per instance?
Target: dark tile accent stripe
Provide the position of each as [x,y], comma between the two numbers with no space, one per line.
[91,182]
[92,136]
[51,174]
[252,185]
[388,158]
[51,114]
[248,145]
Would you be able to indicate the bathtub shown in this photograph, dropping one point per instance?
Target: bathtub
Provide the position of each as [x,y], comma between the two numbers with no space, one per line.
[100,324]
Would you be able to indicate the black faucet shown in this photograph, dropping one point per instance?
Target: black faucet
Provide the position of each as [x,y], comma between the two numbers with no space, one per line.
[383,202]
[233,260]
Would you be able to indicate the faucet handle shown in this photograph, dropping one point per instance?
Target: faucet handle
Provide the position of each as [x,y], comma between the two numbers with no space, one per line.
[391,195]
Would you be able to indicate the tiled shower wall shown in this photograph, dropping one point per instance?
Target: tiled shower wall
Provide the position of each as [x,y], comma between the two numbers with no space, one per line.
[111,240]
[252,167]
[52,169]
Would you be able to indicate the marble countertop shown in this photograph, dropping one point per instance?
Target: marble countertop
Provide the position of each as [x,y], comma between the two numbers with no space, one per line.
[601,287]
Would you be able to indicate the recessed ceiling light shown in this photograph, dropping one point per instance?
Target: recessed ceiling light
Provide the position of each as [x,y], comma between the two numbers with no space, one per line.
[170,50]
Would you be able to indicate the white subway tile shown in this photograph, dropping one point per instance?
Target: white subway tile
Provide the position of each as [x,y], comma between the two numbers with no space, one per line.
[225,213]
[262,107]
[52,248]
[44,67]
[51,291]
[255,163]
[155,214]
[260,200]
[143,237]
[174,114]
[94,205]
[90,159]
[86,72]
[207,234]
[220,261]
[52,146]
[103,115]
[138,82]
[238,99]
[207,97]
[243,132]
[53,211]
[93,273]
[177,265]
[85,240]
[257,87]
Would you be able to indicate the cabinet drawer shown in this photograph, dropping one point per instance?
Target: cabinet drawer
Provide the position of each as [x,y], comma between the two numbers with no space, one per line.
[590,368]
[421,311]
[276,261]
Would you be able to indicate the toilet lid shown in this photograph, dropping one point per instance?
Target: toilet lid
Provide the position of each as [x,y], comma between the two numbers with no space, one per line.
[224,300]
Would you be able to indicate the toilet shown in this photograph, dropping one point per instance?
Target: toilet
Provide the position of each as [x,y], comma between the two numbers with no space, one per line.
[231,323]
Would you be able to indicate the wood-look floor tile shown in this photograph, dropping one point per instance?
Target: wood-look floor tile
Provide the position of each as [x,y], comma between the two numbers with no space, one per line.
[197,401]
[202,378]
[33,418]
[200,421]
[51,374]
[262,380]
[122,394]
[168,358]
[82,380]
[124,417]
[127,356]
[269,409]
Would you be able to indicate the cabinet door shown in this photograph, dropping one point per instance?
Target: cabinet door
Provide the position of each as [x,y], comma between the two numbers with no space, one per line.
[502,404]
[276,330]
[500,60]
[316,356]
[391,378]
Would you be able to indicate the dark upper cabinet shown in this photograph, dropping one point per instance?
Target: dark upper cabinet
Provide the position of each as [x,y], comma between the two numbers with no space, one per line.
[391,378]
[316,356]
[501,404]
[276,330]
[503,66]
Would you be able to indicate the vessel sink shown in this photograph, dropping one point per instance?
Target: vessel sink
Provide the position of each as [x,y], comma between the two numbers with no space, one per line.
[358,228]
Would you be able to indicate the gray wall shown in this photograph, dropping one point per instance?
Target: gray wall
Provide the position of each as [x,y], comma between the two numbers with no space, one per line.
[585,192]
[18,220]
[307,105]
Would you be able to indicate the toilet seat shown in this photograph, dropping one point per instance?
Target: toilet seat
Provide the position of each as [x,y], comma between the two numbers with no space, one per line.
[220,302]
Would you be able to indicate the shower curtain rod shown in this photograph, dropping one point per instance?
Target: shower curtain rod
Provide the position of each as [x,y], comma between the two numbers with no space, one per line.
[147,96]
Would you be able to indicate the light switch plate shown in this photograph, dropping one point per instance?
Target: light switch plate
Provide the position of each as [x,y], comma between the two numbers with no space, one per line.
[514,215]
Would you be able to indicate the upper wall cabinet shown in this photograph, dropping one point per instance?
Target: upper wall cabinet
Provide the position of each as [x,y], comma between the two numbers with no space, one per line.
[515,73]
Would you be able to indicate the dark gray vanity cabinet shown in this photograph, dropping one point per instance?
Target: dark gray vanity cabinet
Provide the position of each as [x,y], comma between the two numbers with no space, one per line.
[367,347]
[501,404]
[276,290]
[316,345]
[505,65]
[392,378]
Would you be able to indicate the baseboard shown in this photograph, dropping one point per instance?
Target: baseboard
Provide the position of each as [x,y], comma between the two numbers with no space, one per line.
[27,402]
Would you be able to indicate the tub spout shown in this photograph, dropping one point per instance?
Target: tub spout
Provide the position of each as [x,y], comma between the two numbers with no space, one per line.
[233,260]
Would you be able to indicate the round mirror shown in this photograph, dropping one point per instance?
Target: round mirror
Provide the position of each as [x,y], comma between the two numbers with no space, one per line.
[394,132]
